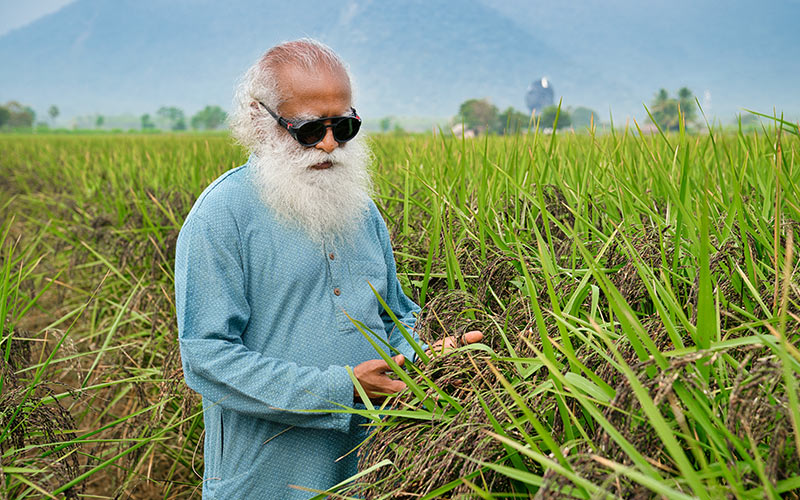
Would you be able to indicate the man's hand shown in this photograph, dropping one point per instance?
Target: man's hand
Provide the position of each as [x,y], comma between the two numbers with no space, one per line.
[449,343]
[373,378]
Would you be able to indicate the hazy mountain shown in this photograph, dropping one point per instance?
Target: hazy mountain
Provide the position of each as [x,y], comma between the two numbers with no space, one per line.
[744,53]
[409,57]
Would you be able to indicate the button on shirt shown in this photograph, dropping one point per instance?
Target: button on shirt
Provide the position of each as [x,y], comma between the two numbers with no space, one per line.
[265,334]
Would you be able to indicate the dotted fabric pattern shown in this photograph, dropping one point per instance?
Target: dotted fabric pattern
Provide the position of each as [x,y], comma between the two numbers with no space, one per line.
[265,338]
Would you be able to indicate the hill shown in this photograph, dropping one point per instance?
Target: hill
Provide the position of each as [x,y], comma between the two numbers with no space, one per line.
[409,58]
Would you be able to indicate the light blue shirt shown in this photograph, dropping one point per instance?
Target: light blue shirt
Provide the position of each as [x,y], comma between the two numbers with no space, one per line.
[263,333]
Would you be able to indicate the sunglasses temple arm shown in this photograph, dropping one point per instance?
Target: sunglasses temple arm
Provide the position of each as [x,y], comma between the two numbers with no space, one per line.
[281,121]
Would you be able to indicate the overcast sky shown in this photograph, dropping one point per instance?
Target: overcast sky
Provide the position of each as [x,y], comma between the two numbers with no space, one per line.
[18,13]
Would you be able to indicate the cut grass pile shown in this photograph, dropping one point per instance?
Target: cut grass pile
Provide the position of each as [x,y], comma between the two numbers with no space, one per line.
[639,297]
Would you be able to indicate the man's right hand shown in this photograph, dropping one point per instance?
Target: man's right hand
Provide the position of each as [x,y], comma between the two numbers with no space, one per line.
[372,375]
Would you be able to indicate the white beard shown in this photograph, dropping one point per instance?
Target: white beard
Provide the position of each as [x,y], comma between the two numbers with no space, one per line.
[328,204]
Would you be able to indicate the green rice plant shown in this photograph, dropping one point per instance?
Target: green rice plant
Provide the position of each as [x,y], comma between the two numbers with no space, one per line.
[655,272]
[638,296]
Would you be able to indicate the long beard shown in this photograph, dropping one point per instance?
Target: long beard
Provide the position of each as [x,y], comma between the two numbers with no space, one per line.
[328,204]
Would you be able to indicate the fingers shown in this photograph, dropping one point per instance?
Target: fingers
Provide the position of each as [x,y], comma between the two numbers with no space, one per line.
[468,338]
[396,386]
[471,337]
[446,344]
[372,375]
[379,365]
[384,366]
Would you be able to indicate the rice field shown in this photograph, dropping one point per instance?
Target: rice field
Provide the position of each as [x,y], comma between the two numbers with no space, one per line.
[639,296]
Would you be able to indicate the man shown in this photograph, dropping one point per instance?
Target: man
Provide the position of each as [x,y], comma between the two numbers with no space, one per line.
[273,259]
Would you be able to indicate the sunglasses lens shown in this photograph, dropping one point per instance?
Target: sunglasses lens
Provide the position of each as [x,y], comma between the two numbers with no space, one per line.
[346,129]
[311,133]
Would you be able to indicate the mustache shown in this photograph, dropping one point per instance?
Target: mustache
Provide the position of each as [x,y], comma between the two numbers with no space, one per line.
[326,203]
[300,156]
[336,157]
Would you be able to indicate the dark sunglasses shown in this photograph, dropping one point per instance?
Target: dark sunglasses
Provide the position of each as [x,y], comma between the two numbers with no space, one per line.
[312,132]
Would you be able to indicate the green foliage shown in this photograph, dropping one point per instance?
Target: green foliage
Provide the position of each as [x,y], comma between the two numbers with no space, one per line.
[478,114]
[512,121]
[386,124]
[584,118]
[666,111]
[17,115]
[209,118]
[637,296]
[53,112]
[549,115]
[174,117]
[98,123]
[481,116]
[147,122]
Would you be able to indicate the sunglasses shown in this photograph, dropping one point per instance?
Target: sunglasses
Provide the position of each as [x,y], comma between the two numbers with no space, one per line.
[312,132]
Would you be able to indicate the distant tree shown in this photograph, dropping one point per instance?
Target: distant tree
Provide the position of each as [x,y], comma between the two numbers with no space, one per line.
[5,114]
[583,117]
[208,118]
[478,114]
[29,112]
[747,119]
[20,116]
[688,104]
[747,122]
[98,123]
[174,116]
[147,122]
[667,110]
[661,97]
[53,112]
[386,124]
[512,121]
[549,117]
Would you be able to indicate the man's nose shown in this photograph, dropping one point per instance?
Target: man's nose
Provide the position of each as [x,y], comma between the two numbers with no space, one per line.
[328,143]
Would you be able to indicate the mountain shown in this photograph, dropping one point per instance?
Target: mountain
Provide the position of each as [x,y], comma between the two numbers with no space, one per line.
[738,53]
[408,58]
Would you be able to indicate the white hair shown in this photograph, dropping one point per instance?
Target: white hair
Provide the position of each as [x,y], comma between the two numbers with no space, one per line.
[328,204]
[260,83]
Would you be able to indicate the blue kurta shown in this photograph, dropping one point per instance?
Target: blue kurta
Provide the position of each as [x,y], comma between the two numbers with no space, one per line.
[263,333]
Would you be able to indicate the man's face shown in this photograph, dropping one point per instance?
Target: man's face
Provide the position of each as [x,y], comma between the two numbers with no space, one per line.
[314,94]
[323,188]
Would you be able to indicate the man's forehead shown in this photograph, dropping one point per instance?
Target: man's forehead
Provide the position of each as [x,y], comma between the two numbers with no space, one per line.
[311,93]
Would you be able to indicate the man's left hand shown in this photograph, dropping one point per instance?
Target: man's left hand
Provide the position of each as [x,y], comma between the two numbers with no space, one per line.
[449,343]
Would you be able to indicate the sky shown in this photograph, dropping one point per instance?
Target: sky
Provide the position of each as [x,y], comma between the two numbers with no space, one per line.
[733,55]
[18,13]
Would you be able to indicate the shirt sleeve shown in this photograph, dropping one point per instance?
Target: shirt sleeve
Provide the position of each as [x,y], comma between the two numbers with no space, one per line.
[403,307]
[213,311]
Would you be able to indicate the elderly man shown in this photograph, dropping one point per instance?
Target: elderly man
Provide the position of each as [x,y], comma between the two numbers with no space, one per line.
[272,259]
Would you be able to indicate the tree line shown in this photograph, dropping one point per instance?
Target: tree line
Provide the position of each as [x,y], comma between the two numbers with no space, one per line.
[668,112]
[481,116]
[208,118]
[15,115]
